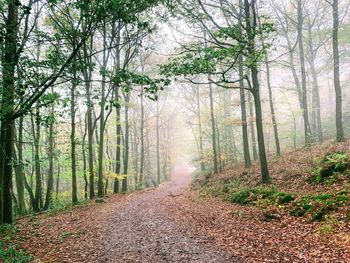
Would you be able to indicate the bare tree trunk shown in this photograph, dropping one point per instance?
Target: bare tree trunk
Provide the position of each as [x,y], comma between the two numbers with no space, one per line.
[219,146]
[251,24]
[142,138]
[7,125]
[73,144]
[252,126]
[119,142]
[307,131]
[246,152]
[213,128]
[337,87]
[272,109]
[90,132]
[316,105]
[158,145]
[20,177]
[48,198]
[126,144]
[200,129]
[38,180]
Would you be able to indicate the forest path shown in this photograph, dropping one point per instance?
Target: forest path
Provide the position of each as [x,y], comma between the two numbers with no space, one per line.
[143,230]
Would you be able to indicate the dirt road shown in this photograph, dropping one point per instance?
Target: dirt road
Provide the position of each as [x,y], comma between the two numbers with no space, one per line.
[171,224]
[142,231]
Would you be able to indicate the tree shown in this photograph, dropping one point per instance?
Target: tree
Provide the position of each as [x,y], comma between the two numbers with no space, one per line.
[336,63]
[219,59]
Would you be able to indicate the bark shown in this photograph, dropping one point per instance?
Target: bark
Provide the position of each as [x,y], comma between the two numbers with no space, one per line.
[252,126]
[251,23]
[118,115]
[73,144]
[272,109]
[90,131]
[200,130]
[126,144]
[50,157]
[213,128]
[119,144]
[316,105]
[307,131]
[20,176]
[7,125]
[158,145]
[142,138]
[38,180]
[106,53]
[219,147]
[337,86]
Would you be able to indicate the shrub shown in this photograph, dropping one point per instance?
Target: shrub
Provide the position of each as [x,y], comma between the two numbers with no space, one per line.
[330,165]
[12,254]
[258,196]
[240,197]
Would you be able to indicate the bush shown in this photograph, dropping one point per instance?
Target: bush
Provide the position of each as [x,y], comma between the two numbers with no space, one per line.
[12,254]
[330,165]
[260,196]
[318,206]
[240,197]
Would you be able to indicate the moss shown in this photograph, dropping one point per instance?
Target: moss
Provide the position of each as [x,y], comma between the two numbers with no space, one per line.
[240,197]
[260,197]
[330,166]
[285,198]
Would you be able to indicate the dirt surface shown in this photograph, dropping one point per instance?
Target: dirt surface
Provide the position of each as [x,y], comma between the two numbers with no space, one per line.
[172,224]
[142,231]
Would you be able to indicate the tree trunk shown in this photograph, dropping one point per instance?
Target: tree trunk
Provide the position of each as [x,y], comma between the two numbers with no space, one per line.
[252,126]
[307,131]
[246,152]
[158,145]
[73,144]
[36,122]
[337,87]
[126,144]
[200,130]
[20,171]
[7,107]
[142,138]
[251,25]
[316,105]
[118,115]
[219,146]
[102,113]
[90,131]
[213,129]
[119,143]
[50,157]
[272,109]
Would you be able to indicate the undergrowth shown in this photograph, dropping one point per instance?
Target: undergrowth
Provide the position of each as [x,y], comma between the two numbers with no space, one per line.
[10,253]
[330,167]
[313,206]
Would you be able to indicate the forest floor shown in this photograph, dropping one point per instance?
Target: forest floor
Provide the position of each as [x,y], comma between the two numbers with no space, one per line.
[174,224]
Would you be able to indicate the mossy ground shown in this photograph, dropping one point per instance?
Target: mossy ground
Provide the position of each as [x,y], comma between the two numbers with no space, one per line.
[312,183]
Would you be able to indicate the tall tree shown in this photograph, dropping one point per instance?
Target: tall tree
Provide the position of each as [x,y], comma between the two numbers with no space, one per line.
[307,131]
[337,86]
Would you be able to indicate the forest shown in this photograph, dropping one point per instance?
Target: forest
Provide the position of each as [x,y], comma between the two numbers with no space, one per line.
[174,131]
